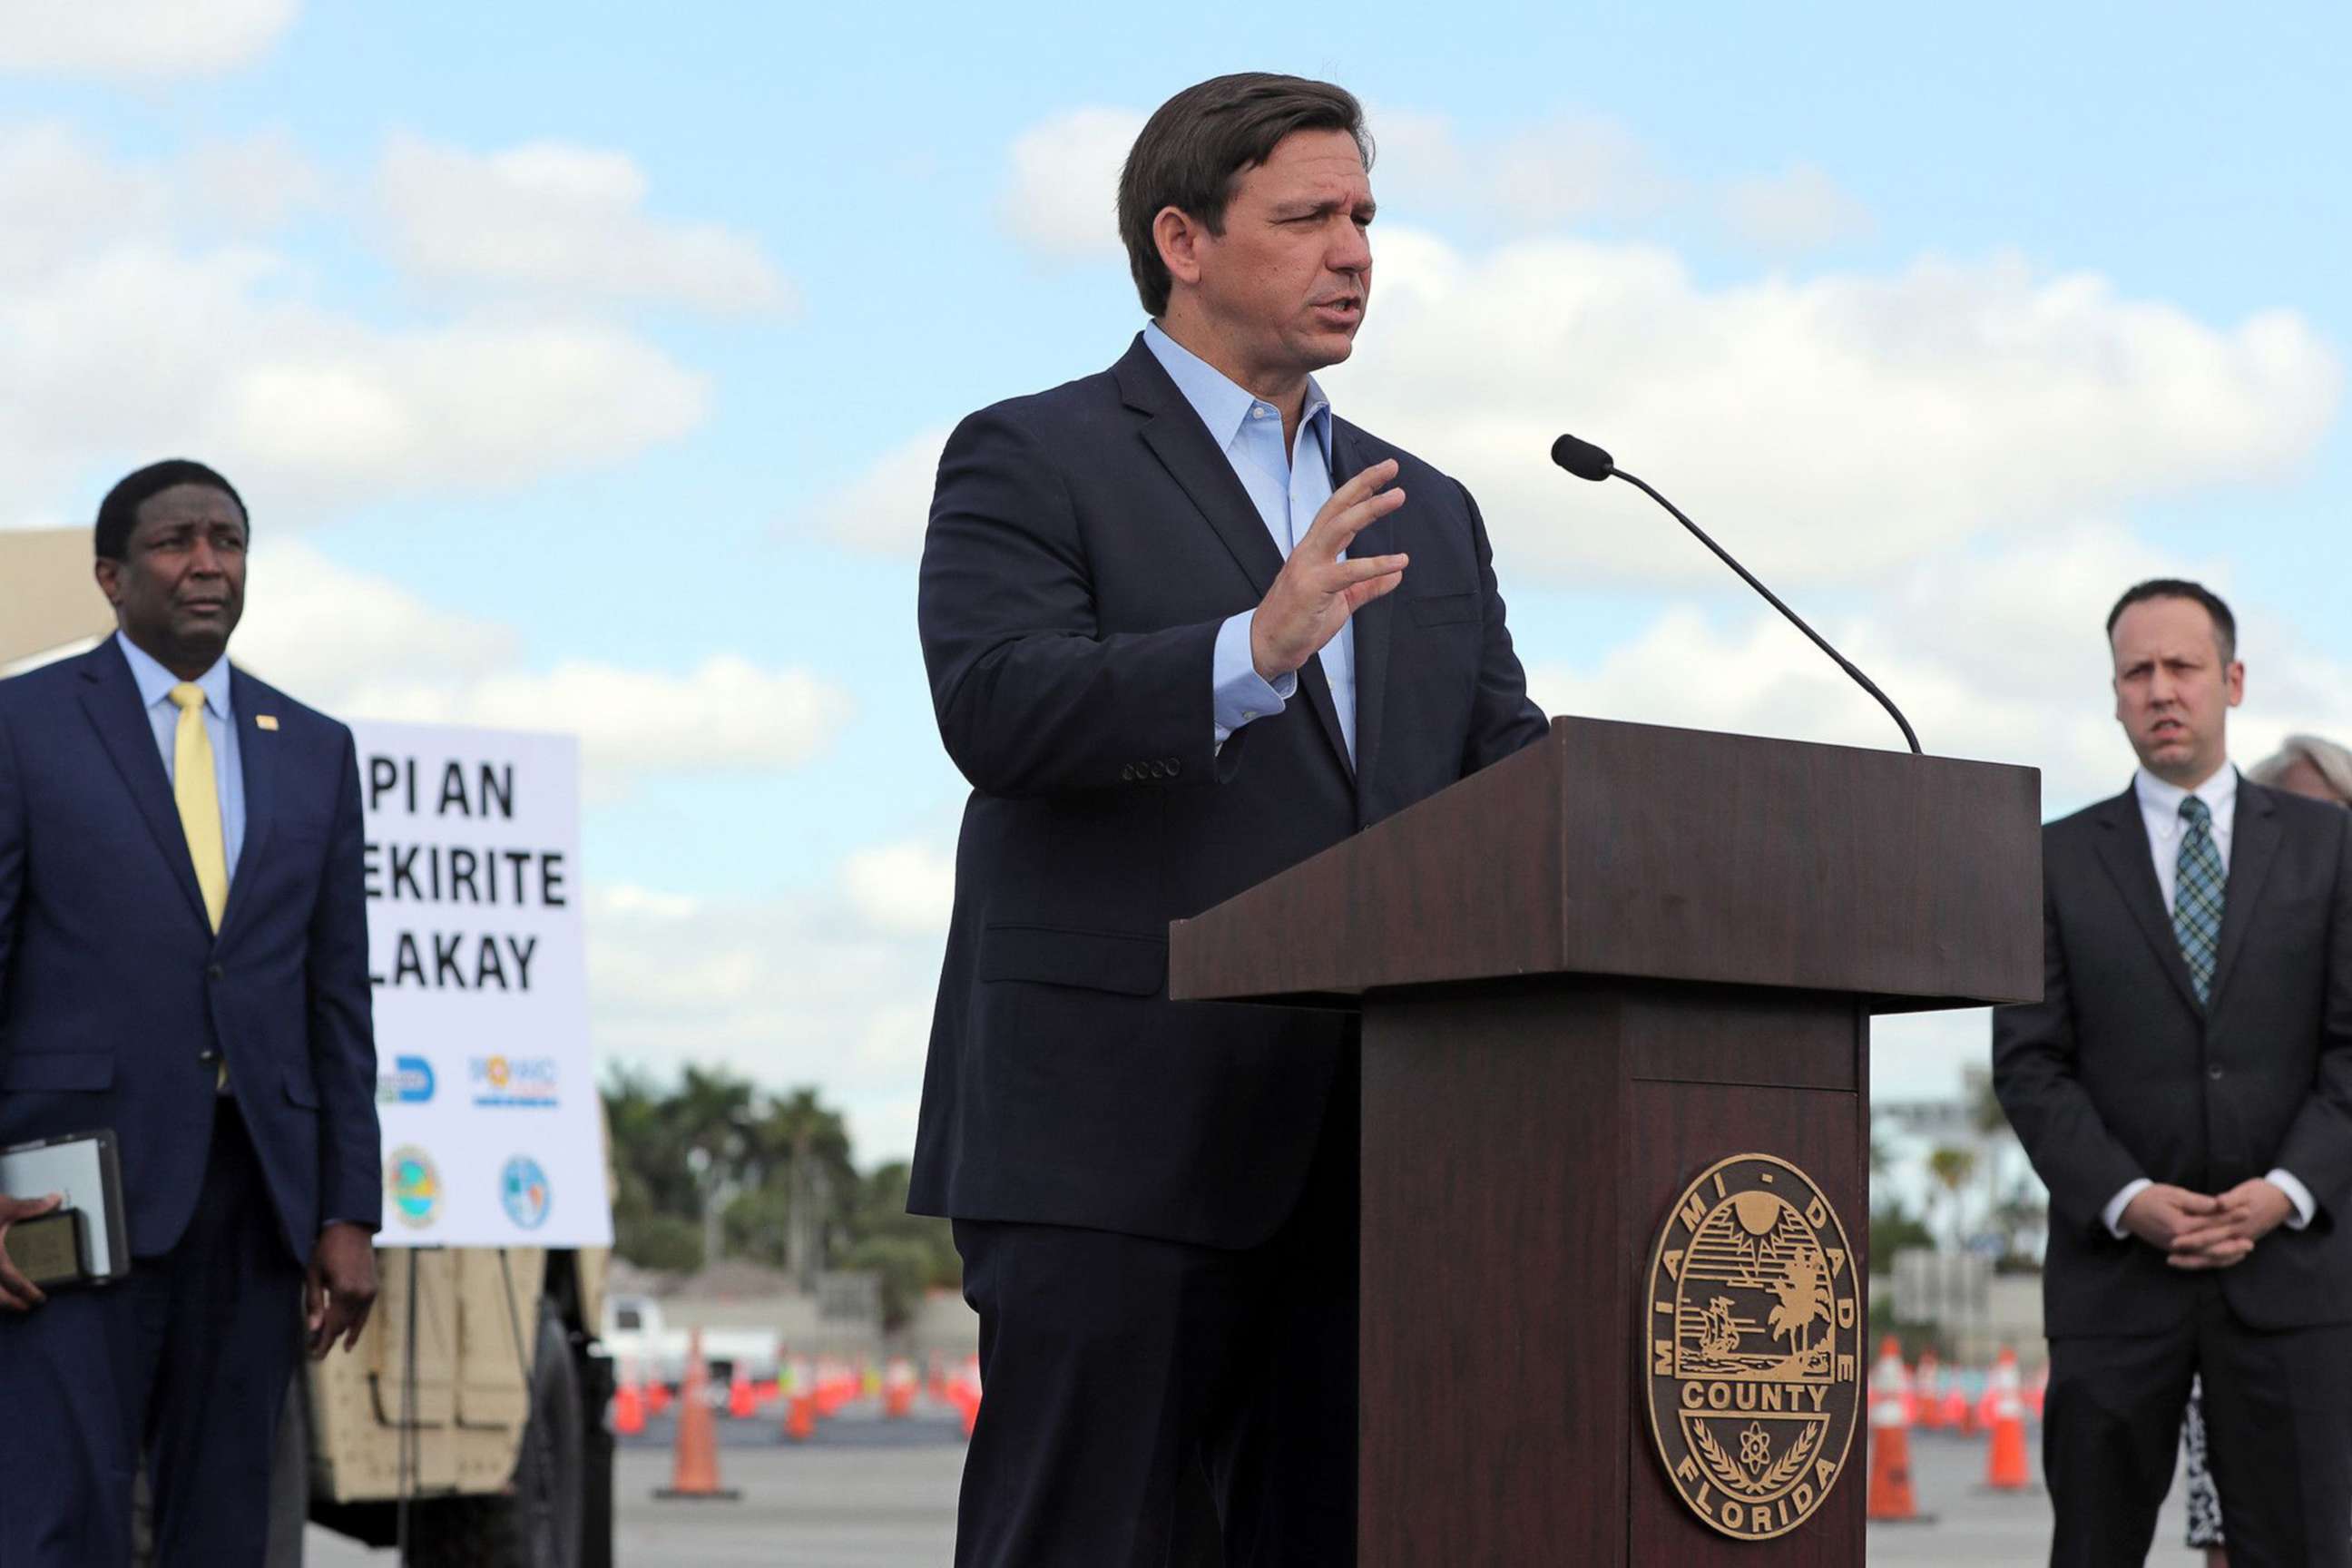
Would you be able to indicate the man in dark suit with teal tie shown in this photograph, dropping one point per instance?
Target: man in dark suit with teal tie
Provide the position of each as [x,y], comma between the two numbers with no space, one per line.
[2185,1089]
[184,961]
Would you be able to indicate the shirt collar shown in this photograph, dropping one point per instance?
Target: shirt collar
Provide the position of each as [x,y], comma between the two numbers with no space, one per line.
[2161,801]
[155,682]
[1222,402]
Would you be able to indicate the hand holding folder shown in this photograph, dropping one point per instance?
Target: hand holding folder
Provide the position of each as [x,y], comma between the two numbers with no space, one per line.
[75,1235]
[18,1293]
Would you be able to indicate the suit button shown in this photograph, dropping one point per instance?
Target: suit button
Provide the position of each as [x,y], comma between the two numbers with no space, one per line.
[1128,773]
[209,1055]
[1159,770]
[216,971]
[2213,1073]
[1175,766]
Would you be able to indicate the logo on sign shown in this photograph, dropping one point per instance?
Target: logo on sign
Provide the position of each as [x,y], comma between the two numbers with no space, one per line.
[1754,1363]
[503,1080]
[410,1082]
[523,1188]
[413,1186]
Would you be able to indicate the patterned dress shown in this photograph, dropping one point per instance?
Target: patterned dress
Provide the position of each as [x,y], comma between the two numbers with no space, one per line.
[2204,1502]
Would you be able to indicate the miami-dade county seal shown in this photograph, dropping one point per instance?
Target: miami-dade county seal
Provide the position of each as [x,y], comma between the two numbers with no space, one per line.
[1754,1346]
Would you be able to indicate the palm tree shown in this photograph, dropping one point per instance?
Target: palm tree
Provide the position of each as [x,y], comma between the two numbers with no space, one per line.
[1991,1124]
[1804,1293]
[1952,1168]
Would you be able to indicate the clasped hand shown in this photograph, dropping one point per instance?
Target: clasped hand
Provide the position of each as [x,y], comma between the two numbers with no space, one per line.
[2196,1230]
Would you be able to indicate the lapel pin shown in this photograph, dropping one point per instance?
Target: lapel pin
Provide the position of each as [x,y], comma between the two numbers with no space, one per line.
[264,720]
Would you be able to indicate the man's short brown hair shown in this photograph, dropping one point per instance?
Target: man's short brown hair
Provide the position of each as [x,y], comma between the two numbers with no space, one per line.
[1196,144]
[2225,625]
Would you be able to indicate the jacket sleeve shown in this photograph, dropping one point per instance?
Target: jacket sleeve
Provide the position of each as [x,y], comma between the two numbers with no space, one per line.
[2035,1073]
[1503,718]
[12,869]
[1031,696]
[2317,1149]
[341,1019]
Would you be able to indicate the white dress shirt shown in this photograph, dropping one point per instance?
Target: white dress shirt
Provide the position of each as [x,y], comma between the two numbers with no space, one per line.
[2159,812]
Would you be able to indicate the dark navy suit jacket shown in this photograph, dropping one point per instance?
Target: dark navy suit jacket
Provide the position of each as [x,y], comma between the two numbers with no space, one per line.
[1084,546]
[2119,1072]
[114,991]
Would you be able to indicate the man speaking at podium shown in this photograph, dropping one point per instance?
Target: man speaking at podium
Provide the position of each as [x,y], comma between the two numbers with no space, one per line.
[1184,627]
[183,962]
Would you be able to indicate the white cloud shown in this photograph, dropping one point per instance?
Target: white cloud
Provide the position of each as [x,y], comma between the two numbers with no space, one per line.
[1798,210]
[360,647]
[139,38]
[1061,202]
[885,510]
[1826,429]
[789,990]
[725,713]
[565,222]
[123,340]
[1992,654]
[1530,180]
[905,887]
[312,625]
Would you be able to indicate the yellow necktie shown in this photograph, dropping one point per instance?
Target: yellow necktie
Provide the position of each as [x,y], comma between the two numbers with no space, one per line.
[197,791]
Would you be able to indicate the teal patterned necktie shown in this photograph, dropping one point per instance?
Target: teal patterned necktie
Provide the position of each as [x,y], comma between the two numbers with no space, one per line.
[2197,894]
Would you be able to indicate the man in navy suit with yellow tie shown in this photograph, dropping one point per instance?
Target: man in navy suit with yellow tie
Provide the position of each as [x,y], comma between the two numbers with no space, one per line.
[182,960]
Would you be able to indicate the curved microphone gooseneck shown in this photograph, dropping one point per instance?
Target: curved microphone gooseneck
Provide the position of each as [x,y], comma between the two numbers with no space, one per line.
[1587,461]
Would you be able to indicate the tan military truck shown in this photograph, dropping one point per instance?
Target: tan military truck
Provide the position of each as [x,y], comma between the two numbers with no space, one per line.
[484,1407]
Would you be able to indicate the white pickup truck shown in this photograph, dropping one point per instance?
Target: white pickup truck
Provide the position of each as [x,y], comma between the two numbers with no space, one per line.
[645,1350]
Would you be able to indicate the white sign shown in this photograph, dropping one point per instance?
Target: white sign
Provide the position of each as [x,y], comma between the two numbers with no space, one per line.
[485,1090]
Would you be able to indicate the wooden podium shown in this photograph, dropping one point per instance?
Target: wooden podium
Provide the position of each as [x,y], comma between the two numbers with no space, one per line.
[1616,995]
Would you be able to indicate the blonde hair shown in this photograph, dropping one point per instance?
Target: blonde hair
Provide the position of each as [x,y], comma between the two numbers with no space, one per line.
[2332,762]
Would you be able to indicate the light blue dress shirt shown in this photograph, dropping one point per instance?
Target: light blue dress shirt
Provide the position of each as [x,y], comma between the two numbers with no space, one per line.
[155,685]
[1288,495]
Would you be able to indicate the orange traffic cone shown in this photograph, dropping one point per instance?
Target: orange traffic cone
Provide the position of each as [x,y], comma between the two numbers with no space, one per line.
[656,1396]
[966,1394]
[2005,1468]
[628,1404]
[694,1476]
[1957,1413]
[898,1386]
[741,1406]
[1890,1500]
[1926,1402]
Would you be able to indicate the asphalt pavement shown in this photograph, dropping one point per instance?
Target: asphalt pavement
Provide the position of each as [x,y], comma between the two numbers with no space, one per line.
[869,1493]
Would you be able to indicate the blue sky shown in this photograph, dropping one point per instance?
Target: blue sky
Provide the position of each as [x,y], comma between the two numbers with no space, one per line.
[584,373]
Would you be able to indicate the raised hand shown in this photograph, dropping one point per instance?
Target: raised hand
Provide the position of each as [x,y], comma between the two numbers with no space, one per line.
[1317,590]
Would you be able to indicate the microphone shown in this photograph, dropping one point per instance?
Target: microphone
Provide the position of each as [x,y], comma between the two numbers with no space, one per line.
[1587,461]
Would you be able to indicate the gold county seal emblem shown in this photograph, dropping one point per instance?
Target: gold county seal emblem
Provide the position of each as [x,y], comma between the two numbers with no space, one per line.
[1753,1349]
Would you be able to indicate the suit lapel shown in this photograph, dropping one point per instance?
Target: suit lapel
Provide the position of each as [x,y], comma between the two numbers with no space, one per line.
[2123,851]
[257,751]
[1371,623]
[110,697]
[1183,446]
[2254,845]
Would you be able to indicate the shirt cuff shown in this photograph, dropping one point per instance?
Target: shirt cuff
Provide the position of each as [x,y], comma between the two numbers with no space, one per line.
[1239,693]
[2113,1214]
[2305,1205]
